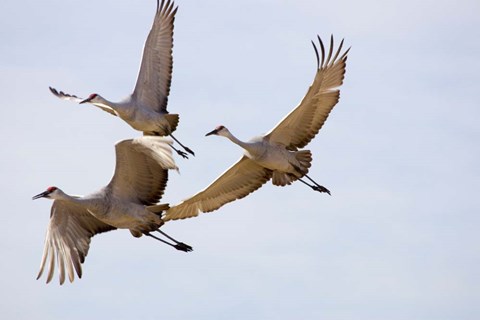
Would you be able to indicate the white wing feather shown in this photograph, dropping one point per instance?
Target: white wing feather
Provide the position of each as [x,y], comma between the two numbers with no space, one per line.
[141,171]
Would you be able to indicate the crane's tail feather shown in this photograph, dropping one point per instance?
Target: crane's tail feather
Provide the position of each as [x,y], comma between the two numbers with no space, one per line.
[158,209]
[173,120]
[282,179]
[304,159]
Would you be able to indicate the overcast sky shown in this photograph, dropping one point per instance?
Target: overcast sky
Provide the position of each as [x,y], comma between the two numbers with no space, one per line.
[399,237]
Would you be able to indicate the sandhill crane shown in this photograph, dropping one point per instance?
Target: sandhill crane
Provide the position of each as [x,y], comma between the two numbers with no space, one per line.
[146,108]
[129,201]
[275,155]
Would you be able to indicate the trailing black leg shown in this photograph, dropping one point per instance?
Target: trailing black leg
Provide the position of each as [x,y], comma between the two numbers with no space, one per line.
[185,247]
[157,238]
[179,246]
[315,187]
[184,147]
[319,187]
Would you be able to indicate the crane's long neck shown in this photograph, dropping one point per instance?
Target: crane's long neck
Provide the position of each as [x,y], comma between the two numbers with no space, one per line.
[87,202]
[116,108]
[231,137]
[101,101]
[253,149]
[60,195]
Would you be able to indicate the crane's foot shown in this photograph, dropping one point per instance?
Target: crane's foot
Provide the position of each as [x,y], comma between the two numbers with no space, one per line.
[181,145]
[183,247]
[321,189]
[189,151]
[182,154]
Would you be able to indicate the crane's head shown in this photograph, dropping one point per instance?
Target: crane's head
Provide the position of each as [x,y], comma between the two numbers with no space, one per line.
[49,193]
[219,131]
[91,98]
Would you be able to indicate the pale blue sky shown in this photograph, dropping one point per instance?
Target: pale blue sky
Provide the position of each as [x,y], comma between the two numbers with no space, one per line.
[398,238]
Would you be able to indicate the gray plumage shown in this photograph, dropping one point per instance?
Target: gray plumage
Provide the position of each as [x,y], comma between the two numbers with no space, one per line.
[275,155]
[146,108]
[129,201]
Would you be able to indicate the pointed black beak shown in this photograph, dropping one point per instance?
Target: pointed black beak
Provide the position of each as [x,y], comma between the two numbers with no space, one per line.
[85,100]
[41,195]
[212,132]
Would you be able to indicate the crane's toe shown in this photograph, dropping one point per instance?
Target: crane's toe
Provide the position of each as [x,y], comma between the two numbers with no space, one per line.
[182,154]
[183,247]
[189,151]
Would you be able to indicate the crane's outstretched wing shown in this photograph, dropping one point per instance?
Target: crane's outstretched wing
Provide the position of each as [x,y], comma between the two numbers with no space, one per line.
[155,76]
[71,97]
[64,96]
[141,171]
[238,181]
[68,239]
[301,125]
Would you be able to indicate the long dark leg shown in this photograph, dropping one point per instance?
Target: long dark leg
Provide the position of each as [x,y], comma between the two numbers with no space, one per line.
[315,187]
[179,245]
[186,148]
[166,235]
[183,246]
[180,153]
[157,238]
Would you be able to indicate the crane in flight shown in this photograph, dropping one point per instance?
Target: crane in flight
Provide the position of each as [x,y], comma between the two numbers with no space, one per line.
[146,108]
[129,201]
[275,155]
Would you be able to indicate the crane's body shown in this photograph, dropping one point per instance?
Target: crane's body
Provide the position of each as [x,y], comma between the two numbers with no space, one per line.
[113,210]
[129,201]
[146,108]
[284,164]
[138,115]
[277,154]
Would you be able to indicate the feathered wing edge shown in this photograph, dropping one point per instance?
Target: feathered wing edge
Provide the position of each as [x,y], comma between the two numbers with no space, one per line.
[141,169]
[158,148]
[155,75]
[68,240]
[241,179]
[301,125]
[71,97]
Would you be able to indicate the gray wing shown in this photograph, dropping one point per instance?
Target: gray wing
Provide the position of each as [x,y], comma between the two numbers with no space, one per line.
[64,96]
[71,97]
[141,171]
[237,182]
[301,125]
[68,239]
[155,76]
